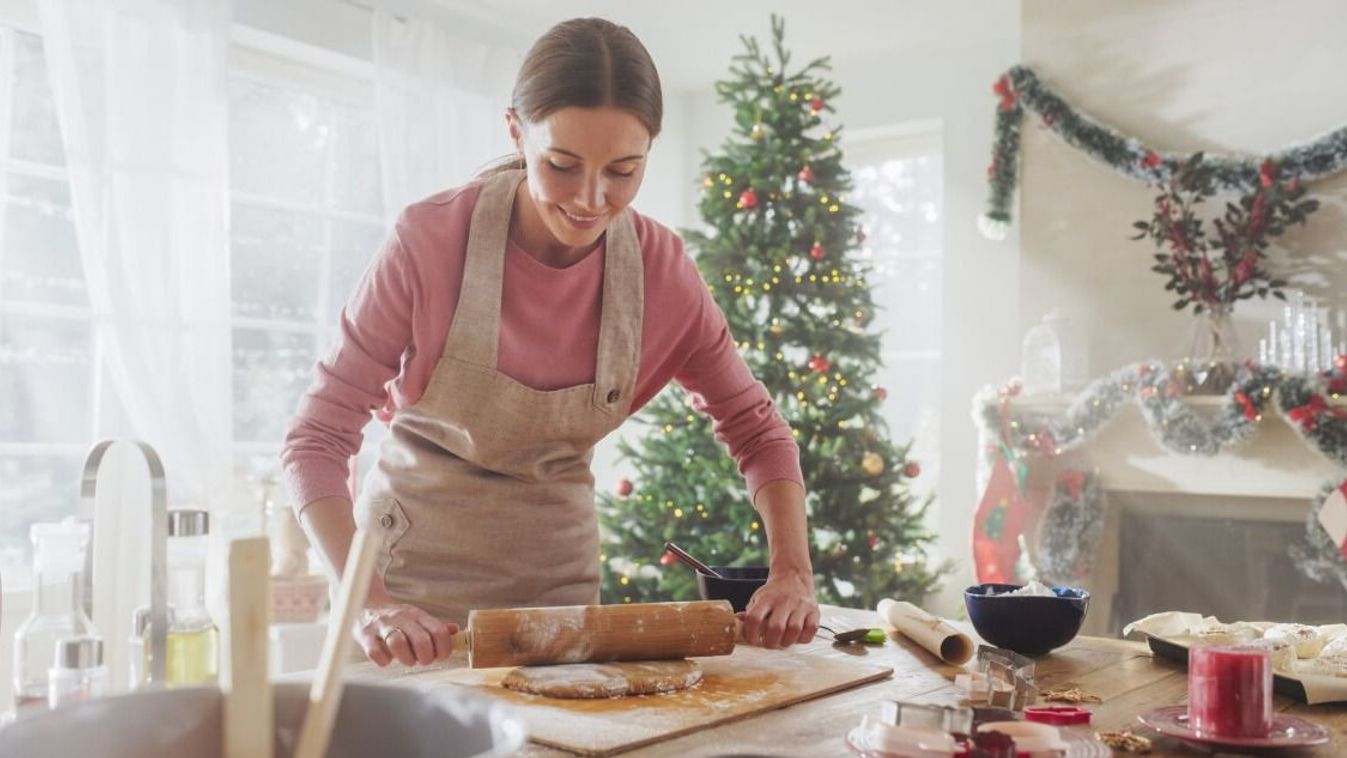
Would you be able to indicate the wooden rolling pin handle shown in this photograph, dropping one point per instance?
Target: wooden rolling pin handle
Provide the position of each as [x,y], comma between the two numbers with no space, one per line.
[461,640]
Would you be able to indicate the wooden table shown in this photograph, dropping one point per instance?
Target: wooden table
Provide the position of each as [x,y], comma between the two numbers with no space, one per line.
[1123,673]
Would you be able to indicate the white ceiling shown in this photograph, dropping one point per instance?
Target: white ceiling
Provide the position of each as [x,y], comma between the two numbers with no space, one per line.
[692,40]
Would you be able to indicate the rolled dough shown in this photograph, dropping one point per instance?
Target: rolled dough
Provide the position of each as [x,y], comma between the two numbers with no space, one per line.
[595,680]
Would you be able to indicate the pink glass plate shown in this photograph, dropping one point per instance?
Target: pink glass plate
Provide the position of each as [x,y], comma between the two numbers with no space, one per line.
[1287,731]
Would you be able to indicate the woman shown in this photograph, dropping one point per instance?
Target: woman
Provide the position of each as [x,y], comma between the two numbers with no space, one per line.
[506,327]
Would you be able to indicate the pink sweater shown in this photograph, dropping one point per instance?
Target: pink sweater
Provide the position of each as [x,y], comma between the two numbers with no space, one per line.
[393,331]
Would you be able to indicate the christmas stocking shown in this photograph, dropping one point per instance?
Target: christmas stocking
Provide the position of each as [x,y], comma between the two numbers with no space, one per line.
[1000,518]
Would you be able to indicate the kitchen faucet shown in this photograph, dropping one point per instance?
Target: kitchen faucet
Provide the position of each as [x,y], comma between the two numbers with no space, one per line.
[158,629]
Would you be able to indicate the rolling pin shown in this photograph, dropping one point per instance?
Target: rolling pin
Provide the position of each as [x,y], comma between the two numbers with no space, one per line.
[597,633]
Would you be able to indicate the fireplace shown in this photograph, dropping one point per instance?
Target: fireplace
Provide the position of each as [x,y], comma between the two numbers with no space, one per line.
[1232,568]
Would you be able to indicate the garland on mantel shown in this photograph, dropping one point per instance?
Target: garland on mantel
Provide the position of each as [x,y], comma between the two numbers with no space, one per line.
[1020,88]
[1302,401]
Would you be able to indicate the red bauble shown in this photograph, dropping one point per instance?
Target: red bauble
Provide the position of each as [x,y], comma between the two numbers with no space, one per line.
[880,393]
[748,198]
[817,252]
[806,175]
[912,470]
[667,559]
[819,364]
[816,104]
[624,488]
[873,540]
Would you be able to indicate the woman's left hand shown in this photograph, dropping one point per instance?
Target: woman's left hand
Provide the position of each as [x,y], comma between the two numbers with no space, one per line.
[782,612]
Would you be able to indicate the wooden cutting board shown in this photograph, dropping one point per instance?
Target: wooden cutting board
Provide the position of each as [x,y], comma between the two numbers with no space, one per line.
[750,681]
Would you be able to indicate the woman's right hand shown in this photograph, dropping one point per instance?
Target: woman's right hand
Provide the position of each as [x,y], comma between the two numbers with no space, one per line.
[388,630]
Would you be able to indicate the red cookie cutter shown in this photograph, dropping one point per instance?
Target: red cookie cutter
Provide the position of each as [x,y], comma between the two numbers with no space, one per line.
[1060,715]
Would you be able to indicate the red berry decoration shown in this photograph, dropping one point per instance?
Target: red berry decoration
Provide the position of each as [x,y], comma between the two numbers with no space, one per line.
[912,470]
[817,252]
[819,364]
[816,104]
[806,175]
[748,198]
[880,393]
[667,559]
[624,488]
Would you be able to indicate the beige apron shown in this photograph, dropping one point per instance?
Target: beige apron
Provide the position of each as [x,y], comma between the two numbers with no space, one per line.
[483,495]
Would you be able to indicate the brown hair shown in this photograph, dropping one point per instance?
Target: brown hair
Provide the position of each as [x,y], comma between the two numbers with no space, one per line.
[586,63]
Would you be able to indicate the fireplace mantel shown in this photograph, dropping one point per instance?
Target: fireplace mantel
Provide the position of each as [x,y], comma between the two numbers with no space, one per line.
[1272,477]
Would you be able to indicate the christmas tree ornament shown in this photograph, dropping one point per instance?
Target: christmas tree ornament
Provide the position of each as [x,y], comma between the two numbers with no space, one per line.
[872,540]
[806,175]
[816,104]
[819,365]
[748,198]
[912,470]
[860,318]
[776,329]
[860,237]
[872,464]
[624,488]
[880,393]
[708,182]
[757,133]
[817,252]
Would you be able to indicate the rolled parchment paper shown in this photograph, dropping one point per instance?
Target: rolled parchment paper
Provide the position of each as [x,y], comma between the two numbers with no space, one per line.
[935,634]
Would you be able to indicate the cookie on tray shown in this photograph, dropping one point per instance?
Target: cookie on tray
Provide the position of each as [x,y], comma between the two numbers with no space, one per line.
[1308,640]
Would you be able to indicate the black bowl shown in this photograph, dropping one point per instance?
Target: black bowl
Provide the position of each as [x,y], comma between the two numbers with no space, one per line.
[1030,625]
[737,586]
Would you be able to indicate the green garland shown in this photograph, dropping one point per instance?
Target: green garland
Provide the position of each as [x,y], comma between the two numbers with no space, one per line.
[1020,88]
[1302,401]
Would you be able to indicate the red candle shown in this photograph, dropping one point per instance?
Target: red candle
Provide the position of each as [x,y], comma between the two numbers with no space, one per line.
[1229,691]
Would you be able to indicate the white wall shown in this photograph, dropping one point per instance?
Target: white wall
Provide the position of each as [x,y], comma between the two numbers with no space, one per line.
[1237,76]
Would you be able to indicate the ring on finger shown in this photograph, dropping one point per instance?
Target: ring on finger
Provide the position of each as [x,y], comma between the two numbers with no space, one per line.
[390,633]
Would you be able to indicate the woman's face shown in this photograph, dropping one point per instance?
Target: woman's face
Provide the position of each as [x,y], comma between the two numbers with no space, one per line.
[584,166]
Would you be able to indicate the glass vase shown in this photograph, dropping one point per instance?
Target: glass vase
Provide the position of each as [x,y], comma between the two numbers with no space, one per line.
[1213,351]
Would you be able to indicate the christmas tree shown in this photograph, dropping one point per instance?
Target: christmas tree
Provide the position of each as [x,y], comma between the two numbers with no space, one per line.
[779,258]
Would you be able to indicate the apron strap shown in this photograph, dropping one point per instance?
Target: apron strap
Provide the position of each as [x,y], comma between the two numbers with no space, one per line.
[474,335]
[619,353]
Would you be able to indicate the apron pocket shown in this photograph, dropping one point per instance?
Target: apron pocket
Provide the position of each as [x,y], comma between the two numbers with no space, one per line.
[389,523]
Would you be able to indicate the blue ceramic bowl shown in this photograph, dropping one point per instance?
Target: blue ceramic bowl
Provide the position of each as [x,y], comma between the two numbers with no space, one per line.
[737,586]
[1030,625]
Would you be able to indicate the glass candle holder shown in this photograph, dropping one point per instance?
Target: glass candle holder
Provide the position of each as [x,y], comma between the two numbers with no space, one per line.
[1229,691]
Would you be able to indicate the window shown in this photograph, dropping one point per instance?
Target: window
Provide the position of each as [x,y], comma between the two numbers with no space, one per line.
[897,175]
[46,340]
[306,218]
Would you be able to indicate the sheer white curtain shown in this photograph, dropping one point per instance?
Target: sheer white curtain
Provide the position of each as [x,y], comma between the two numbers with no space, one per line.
[441,98]
[140,95]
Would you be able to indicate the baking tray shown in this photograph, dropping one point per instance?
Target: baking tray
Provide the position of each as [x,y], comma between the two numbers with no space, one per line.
[1282,685]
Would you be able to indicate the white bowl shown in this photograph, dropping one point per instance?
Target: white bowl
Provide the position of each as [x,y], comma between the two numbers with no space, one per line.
[372,720]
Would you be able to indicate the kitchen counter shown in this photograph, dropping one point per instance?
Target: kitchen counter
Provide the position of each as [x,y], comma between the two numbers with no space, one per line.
[1123,673]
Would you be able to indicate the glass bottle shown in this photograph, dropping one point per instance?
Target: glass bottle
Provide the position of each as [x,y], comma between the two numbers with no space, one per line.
[1041,359]
[138,647]
[58,583]
[193,655]
[77,674]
